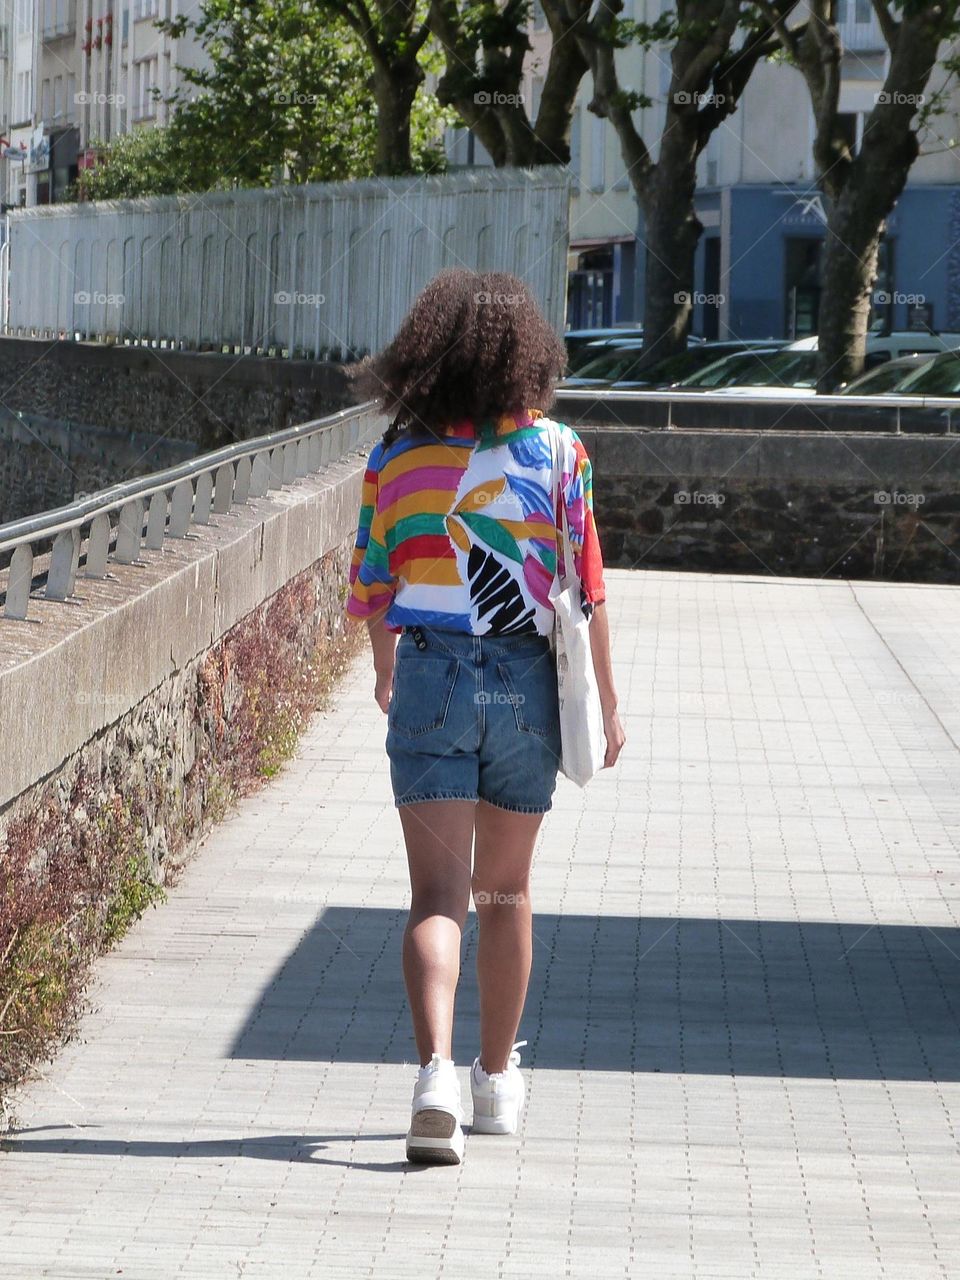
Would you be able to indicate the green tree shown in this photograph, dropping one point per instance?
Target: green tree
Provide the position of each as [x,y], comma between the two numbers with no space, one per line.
[284,91]
[145,162]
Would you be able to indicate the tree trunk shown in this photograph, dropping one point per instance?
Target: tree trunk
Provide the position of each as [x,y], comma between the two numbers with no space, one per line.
[672,234]
[873,184]
[395,86]
[848,269]
[864,187]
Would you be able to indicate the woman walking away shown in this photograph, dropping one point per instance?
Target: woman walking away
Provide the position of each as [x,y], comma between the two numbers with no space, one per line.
[456,552]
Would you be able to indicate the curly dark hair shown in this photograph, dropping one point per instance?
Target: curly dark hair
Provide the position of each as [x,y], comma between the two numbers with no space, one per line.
[473,345]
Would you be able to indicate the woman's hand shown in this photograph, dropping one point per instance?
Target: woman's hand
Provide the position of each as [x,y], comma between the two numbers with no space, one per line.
[603,666]
[384,644]
[613,730]
[384,688]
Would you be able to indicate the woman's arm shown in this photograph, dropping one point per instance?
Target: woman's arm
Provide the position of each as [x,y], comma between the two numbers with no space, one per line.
[384,644]
[603,666]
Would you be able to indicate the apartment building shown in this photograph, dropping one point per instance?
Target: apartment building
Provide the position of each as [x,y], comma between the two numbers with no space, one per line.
[74,73]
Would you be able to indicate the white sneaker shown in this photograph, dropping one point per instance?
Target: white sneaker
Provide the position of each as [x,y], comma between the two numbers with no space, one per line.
[435,1136]
[497,1097]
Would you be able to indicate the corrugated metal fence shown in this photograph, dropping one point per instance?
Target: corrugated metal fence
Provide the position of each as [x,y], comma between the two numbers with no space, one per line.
[315,270]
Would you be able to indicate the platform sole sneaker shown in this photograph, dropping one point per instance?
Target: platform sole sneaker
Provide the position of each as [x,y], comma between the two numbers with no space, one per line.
[498,1097]
[435,1135]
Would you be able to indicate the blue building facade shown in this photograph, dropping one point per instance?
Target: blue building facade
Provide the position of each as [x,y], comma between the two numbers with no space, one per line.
[757,268]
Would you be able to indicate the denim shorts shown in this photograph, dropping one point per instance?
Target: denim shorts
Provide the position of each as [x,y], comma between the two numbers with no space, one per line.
[474,718]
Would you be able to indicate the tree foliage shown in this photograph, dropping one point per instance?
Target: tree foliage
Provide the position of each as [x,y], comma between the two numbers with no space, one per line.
[286,94]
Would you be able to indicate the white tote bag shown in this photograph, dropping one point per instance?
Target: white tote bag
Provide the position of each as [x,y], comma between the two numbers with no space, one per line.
[581,716]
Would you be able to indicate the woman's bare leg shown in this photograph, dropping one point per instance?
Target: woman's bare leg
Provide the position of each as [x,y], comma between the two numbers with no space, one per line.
[439,837]
[501,891]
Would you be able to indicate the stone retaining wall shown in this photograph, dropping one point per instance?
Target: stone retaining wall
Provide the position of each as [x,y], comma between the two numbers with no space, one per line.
[46,464]
[826,504]
[205,398]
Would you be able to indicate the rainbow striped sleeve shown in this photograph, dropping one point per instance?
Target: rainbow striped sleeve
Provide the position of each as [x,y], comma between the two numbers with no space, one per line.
[372,585]
[583,528]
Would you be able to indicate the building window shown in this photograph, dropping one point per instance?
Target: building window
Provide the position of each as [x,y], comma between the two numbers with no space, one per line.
[58,17]
[598,154]
[24,96]
[45,100]
[146,79]
[71,105]
[590,290]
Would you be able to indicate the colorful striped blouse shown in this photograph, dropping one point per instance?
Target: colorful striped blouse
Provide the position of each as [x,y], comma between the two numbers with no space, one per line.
[459,533]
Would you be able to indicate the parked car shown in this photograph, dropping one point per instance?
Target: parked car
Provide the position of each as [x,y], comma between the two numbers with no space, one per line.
[576,339]
[891,346]
[581,351]
[886,378]
[618,369]
[788,373]
[938,377]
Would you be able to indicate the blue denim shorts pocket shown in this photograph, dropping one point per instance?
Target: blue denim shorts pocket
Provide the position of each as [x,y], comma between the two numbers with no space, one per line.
[422,689]
[531,687]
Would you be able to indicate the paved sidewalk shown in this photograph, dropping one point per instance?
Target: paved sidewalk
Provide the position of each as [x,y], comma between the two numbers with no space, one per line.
[744,1048]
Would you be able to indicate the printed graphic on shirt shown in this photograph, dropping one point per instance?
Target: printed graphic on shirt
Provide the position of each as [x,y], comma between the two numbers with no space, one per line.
[461,534]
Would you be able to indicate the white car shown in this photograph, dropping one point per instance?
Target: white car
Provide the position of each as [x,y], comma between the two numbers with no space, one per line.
[890,346]
[781,375]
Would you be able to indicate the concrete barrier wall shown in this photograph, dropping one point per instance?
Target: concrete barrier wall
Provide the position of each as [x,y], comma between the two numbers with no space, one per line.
[85,664]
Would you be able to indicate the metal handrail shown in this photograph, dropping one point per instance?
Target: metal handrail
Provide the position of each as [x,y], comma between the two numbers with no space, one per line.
[172,500]
[888,400]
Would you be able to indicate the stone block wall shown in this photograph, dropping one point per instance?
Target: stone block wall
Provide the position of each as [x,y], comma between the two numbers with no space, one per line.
[782,503]
[207,398]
